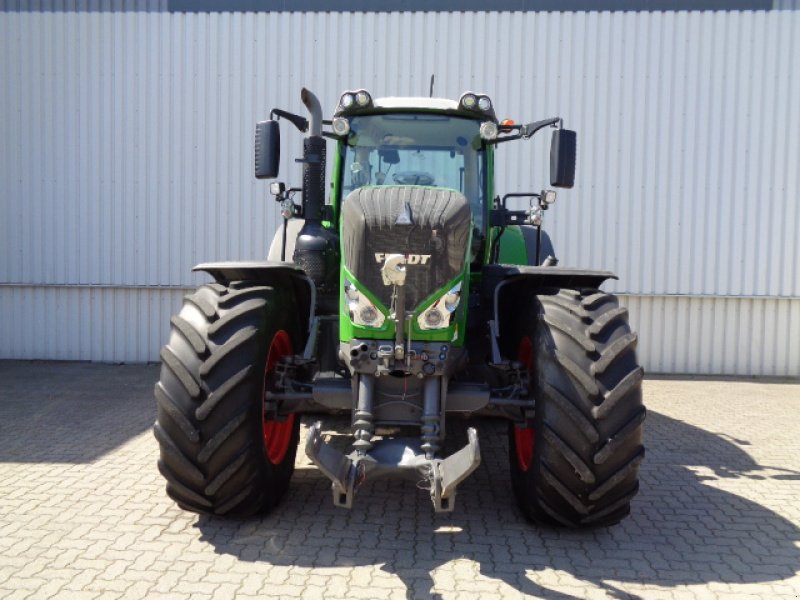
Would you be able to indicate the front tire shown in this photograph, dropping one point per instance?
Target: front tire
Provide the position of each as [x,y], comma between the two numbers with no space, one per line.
[576,464]
[219,454]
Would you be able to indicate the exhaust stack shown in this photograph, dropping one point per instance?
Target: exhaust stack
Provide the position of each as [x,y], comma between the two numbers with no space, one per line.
[316,250]
[314,107]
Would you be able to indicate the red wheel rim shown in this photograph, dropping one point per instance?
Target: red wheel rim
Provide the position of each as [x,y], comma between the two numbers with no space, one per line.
[525,437]
[277,435]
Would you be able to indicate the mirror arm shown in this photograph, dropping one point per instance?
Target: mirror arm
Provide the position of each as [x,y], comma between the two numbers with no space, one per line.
[300,122]
[528,130]
[524,132]
[507,138]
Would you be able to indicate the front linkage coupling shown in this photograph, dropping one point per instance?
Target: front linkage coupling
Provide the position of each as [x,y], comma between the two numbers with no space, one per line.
[401,456]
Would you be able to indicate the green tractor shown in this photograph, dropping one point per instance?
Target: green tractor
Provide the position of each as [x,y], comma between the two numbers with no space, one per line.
[414,295]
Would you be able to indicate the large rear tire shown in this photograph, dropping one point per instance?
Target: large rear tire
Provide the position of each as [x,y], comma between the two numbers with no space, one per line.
[219,454]
[576,464]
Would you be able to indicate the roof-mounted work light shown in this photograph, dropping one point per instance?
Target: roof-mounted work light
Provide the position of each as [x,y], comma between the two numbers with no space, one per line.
[477,103]
[354,100]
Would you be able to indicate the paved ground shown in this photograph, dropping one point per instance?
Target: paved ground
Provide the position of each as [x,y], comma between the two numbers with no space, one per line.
[83,513]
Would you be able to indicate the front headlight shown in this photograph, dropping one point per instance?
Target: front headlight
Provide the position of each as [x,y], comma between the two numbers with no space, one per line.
[438,314]
[340,126]
[488,130]
[362,311]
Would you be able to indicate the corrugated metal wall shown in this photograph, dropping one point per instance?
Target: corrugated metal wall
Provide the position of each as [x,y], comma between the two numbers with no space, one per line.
[87,5]
[127,158]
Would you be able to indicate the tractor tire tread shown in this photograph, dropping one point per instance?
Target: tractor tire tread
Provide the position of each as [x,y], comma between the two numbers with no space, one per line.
[612,352]
[566,304]
[589,417]
[578,374]
[256,291]
[569,455]
[189,332]
[583,423]
[238,339]
[221,436]
[203,305]
[620,506]
[209,399]
[218,395]
[247,308]
[226,473]
[180,492]
[617,477]
[168,445]
[606,319]
[553,516]
[180,371]
[619,439]
[568,329]
[227,505]
[562,490]
[170,406]
[630,382]
[593,299]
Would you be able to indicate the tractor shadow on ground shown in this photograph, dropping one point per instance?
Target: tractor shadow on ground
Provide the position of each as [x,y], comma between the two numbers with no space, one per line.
[67,412]
[682,529]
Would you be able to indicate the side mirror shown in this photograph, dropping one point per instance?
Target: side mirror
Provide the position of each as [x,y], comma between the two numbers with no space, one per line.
[268,149]
[563,148]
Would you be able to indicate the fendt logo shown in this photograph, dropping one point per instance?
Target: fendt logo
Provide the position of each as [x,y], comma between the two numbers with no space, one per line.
[411,259]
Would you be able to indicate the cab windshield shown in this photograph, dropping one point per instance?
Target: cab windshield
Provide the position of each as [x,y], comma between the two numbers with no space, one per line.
[417,149]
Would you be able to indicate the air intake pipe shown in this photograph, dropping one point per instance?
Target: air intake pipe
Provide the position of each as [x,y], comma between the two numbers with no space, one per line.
[317,248]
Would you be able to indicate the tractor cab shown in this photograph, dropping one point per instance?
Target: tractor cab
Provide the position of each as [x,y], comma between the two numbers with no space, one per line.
[430,142]
[419,149]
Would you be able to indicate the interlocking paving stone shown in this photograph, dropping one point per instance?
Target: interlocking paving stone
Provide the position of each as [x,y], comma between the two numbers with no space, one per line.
[83,513]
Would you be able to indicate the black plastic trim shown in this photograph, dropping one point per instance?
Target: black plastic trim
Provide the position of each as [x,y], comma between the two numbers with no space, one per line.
[529,279]
[274,273]
[225,272]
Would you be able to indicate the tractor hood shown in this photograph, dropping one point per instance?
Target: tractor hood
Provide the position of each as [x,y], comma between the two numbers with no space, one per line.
[429,226]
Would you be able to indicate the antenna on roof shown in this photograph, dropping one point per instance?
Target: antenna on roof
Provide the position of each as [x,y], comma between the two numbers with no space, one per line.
[431,94]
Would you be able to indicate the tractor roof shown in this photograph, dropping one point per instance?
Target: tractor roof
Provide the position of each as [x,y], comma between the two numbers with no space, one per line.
[410,103]
[414,103]
[359,102]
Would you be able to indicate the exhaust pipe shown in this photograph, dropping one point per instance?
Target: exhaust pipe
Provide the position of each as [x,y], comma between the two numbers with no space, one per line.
[313,161]
[317,249]
[313,106]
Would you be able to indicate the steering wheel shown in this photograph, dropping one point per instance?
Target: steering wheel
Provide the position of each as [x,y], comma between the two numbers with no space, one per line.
[413,178]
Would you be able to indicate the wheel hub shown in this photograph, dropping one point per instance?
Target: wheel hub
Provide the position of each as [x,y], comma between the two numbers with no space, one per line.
[277,435]
[525,437]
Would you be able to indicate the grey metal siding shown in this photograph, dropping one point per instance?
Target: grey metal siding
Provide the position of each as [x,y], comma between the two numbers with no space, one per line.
[396,6]
[128,158]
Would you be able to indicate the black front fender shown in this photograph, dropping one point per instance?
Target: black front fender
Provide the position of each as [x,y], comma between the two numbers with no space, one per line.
[538,277]
[274,273]
[503,287]
[265,271]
